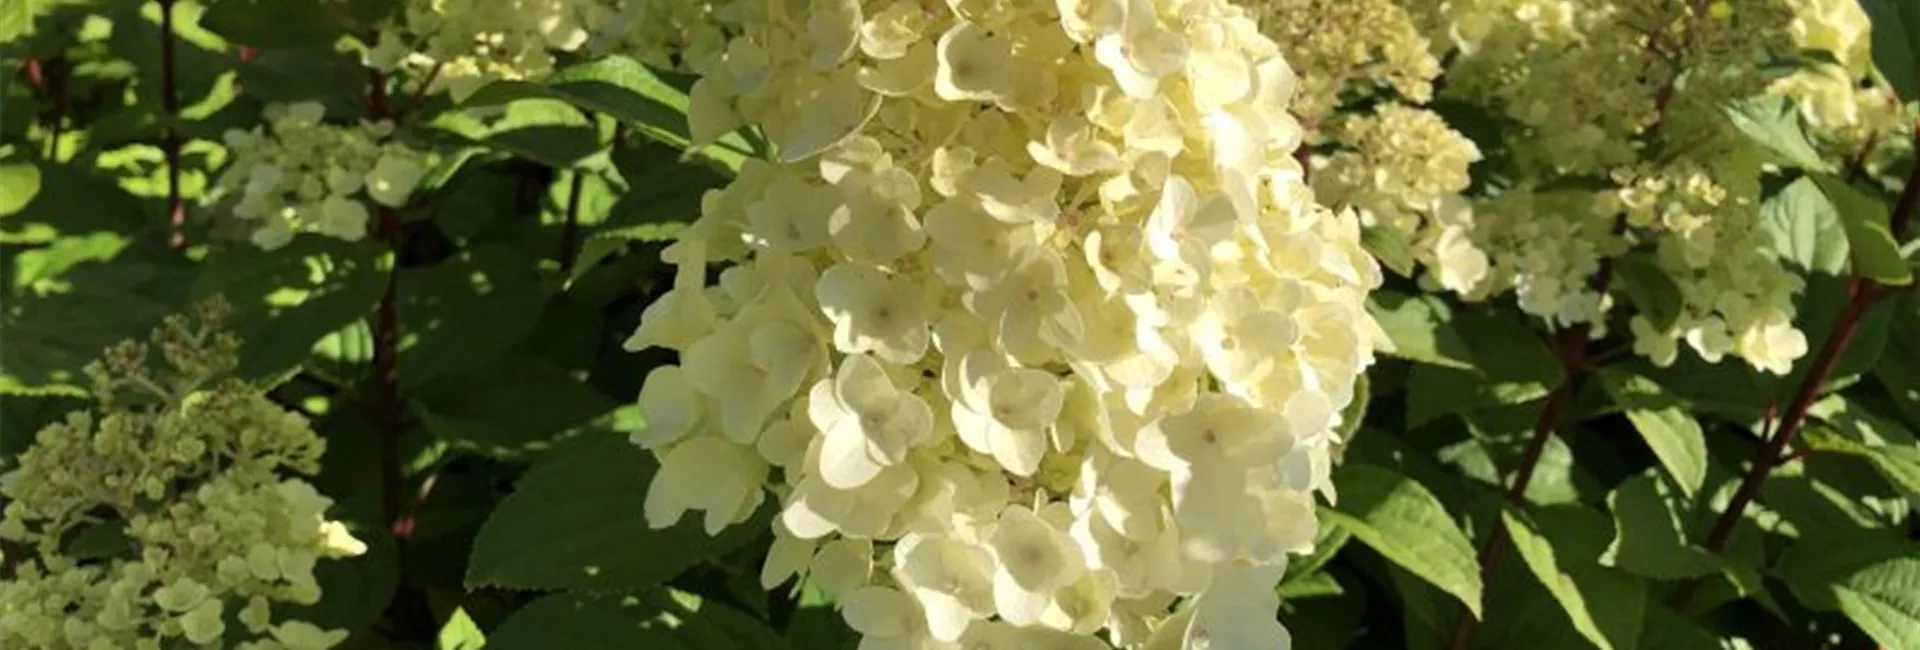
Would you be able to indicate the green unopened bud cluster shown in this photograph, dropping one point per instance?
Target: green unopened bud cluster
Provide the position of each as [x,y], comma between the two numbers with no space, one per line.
[301,174]
[190,467]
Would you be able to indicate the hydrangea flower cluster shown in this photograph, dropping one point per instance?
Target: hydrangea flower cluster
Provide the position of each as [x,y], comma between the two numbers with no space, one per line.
[188,466]
[1849,118]
[461,45]
[1349,47]
[1396,163]
[301,174]
[1591,90]
[1032,321]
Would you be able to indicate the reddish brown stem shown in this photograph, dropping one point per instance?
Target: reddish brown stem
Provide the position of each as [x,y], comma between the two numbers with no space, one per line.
[170,137]
[1861,296]
[570,231]
[1909,196]
[386,336]
[1570,345]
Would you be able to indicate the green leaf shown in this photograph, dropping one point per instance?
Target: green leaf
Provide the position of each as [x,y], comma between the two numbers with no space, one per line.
[1419,327]
[1650,539]
[1774,123]
[1875,254]
[1390,246]
[1401,520]
[1899,463]
[16,20]
[663,188]
[1652,290]
[94,295]
[1873,579]
[1352,416]
[1665,423]
[626,90]
[1896,44]
[1806,228]
[357,588]
[1812,566]
[460,633]
[577,521]
[286,300]
[274,23]
[464,312]
[510,406]
[547,131]
[1606,606]
[582,622]
[1884,600]
[19,183]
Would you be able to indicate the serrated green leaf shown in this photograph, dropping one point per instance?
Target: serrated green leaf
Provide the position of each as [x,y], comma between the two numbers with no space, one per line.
[1884,600]
[1649,538]
[1403,521]
[1899,463]
[547,131]
[1896,44]
[286,300]
[582,622]
[1666,630]
[1652,290]
[1607,607]
[663,188]
[1806,228]
[1664,423]
[510,406]
[1420,329]
[1774,123]
[707,624]
[1823,558]
[626,90]
[464,312]
[275,23]
[77,306]
[577,521]
[1874,252]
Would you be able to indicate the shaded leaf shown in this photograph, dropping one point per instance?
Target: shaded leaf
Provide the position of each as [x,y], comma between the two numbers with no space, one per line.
[464,312]
[577,521]
[509,406]
[1896,44]
[1653,290]
[1605,606]
[286,300]
[274,23]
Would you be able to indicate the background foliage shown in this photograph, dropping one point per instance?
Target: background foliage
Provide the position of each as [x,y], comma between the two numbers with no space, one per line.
[465,366]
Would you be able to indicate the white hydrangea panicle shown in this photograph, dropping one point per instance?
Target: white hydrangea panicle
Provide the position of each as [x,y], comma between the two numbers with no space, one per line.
[1032,309]
[1849,113]
[1611,154]
[300,174]
[191,465]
